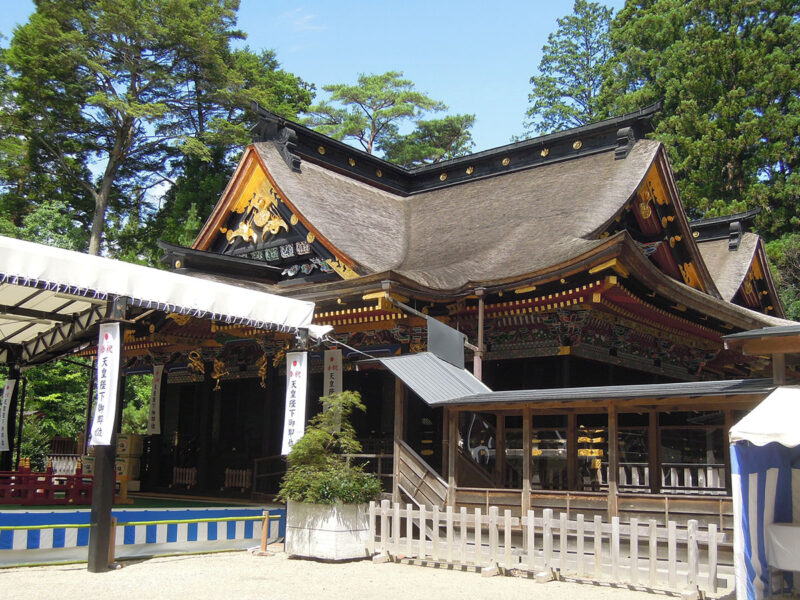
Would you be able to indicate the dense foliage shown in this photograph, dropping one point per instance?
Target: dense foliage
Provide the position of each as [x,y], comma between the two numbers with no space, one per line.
[319,472]
[566,91]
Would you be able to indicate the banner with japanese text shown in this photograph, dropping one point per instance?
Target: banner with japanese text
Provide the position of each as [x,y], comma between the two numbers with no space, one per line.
[109,348]
[294,421]
[154,418]
[5,404]
[333,372]
[332,380]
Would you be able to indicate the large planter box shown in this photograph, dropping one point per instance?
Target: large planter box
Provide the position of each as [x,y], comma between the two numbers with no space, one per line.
[327,531]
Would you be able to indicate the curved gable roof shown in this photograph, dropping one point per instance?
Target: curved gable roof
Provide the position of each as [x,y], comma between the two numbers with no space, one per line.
[488,229]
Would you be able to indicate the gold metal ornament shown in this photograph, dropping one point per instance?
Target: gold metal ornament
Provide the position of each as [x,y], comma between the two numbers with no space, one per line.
[310,238]
[645,210]
[262,369]
[378,172]
[321,149]
[470,170]
[544,152]
[352,162]
[506,161]
[178,264]
[196,362]
[577,145]
[219,371]
[243,231]
[294,220]
[443,177]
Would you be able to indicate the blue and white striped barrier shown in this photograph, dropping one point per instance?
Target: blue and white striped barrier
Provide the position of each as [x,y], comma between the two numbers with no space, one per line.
[38,537]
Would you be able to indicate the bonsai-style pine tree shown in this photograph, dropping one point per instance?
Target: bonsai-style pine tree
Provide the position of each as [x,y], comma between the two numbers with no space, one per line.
[319,470]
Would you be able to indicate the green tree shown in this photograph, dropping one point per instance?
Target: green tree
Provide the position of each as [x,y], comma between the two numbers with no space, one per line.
[431,141]
[106,97]
[728,72]
[371,110]
[566,91]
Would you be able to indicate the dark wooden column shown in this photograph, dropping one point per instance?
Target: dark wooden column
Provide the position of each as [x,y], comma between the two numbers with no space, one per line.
[104,470]
[452,426]
[477,364]
[779,369]
[526,460]
[613,462]
[653,460]
[727,448]
[399,394]
[206,407]
[500,451]
[572,451]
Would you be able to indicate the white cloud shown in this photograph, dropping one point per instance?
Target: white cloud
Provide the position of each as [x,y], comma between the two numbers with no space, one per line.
[302,21]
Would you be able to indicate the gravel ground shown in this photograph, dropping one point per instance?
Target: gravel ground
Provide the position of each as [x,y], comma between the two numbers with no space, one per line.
[242,576]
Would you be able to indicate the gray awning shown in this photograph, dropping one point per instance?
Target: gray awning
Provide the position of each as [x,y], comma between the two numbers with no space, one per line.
[432,379]
[697,389]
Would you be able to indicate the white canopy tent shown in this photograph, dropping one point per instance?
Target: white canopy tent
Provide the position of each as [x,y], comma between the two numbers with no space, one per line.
[47,293]
[53,300]
[765,457]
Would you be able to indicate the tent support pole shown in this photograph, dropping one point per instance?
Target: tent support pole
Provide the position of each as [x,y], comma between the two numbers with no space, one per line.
[104,470]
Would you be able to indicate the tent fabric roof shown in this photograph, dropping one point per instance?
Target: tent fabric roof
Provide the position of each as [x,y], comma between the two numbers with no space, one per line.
[433,379]
[446,237]
[729,268]
[776,419]
[41,286]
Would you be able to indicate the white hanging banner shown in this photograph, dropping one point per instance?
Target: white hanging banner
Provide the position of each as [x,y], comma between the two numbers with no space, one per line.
[154,419]
[333,372]
[109,348]
[294,421]
[8,391]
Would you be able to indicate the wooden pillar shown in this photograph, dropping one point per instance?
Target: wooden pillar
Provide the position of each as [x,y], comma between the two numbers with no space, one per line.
[500,451]
[779,369]
[613,462]
[727,449]
[205,405]
[477,364]
[452,426]
[445,442]
[653,459]
[399,393]
[572,451]
[104,472]
[526,460]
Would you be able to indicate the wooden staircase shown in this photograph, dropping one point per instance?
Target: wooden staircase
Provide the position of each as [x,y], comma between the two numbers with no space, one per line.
[418,481]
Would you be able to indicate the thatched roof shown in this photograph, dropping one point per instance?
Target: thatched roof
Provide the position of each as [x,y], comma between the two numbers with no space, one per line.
[729,267]
[487,230]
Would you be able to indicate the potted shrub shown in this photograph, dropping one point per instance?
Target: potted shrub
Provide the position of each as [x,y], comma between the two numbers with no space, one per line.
[326,494]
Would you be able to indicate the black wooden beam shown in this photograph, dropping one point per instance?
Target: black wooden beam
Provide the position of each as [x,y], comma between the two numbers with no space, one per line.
[30,313]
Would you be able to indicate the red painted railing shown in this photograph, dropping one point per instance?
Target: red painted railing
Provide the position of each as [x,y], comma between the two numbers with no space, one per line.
[30,489]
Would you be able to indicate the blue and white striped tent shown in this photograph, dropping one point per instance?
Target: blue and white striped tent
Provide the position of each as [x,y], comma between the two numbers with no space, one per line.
[765,462]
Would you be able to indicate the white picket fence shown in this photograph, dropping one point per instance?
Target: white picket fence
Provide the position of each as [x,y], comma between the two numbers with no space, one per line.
[645,554]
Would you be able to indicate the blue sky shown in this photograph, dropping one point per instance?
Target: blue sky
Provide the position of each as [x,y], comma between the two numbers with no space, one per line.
[475,56]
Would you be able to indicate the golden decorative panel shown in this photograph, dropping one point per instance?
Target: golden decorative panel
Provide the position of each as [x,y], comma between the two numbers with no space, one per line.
[341,269]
